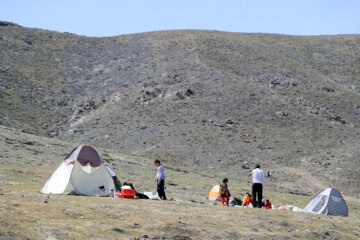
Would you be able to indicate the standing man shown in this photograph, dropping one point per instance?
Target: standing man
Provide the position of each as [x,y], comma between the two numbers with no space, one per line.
[257,188]
[160,179]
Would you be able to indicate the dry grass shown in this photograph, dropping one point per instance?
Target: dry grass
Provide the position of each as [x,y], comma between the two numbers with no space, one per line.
[27,214]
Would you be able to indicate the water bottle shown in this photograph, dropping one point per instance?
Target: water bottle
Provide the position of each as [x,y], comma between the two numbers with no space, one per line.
[102,191]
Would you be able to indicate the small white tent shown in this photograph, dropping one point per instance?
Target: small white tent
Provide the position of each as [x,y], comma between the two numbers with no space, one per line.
[328,202]
[82,172]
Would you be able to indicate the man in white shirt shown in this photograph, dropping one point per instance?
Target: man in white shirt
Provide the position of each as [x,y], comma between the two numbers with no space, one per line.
[258,178]
[160,176]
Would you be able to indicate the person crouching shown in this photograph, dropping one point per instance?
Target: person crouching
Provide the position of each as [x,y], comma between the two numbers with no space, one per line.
[224,192]
[267,204]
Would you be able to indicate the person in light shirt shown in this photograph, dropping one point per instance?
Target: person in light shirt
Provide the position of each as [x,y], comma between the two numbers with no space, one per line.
[160,175]
[258,178]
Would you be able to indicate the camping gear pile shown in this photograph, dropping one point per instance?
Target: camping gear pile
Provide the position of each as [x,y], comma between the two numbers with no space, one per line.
[126,192]
[328,202]
[82,172]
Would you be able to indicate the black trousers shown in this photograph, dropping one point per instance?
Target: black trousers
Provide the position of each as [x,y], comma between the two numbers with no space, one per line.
[160,189]
[257,189]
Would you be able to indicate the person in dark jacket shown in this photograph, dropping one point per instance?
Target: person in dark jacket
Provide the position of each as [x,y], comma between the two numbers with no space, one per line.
[224,192]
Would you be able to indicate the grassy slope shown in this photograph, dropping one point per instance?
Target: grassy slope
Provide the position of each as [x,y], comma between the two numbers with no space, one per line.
[24,214]
[48,80]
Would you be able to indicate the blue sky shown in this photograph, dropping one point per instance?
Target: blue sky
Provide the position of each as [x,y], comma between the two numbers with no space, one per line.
[116,17]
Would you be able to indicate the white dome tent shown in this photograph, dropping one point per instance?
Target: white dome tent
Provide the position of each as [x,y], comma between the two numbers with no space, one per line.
[82,172]
[328,202]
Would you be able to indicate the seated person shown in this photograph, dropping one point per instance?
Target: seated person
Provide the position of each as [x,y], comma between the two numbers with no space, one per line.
[137,194]
[247,200]
[267,204]
[126,185]
[237,201]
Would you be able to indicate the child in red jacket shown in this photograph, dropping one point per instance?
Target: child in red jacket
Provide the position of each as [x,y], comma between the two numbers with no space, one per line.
[247,200]
[224,192]
[267,204]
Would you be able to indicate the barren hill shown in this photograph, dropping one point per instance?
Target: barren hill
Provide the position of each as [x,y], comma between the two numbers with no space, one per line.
[215,101]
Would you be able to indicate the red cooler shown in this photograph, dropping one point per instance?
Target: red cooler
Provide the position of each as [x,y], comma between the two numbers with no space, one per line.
[127,193]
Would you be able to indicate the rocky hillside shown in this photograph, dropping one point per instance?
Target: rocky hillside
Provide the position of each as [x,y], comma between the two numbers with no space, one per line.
[217,101]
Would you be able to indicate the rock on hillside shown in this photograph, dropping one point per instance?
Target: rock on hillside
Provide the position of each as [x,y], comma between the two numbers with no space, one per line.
[215,100]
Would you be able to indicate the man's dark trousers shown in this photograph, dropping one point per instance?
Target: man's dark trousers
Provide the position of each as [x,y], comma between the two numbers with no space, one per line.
[257,190]
[160,189]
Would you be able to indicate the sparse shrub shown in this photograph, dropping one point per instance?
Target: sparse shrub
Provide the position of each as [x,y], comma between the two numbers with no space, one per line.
[119,230]
[284,223]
